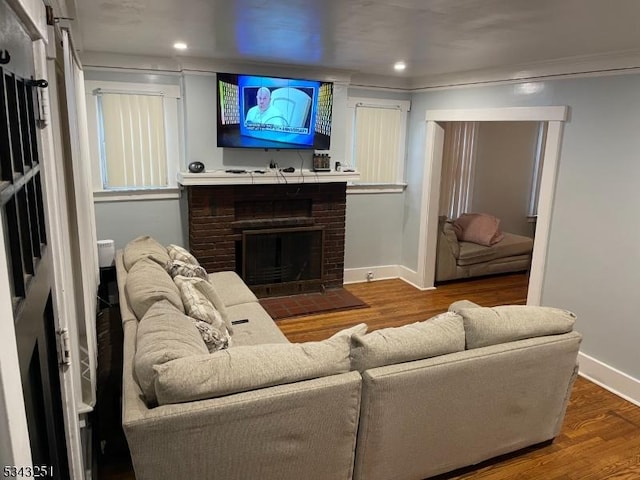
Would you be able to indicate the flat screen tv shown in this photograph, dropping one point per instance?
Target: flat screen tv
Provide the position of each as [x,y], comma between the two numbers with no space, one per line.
[273,112]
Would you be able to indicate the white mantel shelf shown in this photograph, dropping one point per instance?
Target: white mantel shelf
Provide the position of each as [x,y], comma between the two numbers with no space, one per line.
[270,177]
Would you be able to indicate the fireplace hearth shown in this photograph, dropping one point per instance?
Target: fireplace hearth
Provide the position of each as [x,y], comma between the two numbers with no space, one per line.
[281,239]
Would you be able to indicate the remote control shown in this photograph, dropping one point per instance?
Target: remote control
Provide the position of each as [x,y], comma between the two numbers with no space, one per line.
[234,170]
[289,170]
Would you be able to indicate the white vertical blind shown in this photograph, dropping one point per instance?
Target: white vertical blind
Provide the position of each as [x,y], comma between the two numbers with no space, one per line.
[377,143]
[458,167]
[133,145]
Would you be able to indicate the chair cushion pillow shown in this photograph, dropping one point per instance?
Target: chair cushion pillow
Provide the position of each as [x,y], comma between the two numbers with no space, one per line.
[164,334]
[198,306]
[439,335]
[176,252]
[479,228]
[486,326]
[142,247]
[147,283]
[240,369]
[178,267]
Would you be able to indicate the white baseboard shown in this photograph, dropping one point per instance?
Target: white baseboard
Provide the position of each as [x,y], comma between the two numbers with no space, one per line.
[609,378]
[382,272]
[411,277]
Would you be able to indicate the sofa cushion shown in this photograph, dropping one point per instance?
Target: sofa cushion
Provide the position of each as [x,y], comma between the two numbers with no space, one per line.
[176,252]
[197,305]
[480,228]
[142,247]
[241,369]
[359,329]
[164,334]
[460,304]
[490,326]
[439,335]
[178,267]
[148,282]
[511,245]
[256,326]
[231,289]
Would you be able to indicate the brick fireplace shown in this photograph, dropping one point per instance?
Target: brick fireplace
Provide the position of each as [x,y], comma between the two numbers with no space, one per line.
[281,238]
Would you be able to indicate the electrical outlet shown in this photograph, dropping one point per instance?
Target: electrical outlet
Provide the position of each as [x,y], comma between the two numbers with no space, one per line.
[369,276]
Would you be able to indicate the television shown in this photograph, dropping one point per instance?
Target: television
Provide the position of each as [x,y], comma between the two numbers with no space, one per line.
[273,113]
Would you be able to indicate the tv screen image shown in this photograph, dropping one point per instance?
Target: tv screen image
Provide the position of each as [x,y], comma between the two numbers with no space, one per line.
[273,112]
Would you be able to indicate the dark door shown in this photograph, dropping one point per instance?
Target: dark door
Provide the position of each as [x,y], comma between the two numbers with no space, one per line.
[30,266]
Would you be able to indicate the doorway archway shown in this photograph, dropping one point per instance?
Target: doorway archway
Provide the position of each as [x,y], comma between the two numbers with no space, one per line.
[555,117]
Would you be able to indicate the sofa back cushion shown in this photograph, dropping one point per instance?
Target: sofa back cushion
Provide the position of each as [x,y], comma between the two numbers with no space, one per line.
[244,368]
[143,247]
[486,326]
[164,334]
[439,335]
[148,282]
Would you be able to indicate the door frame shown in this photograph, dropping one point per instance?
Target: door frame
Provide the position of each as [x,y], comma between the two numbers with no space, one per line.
[555,116]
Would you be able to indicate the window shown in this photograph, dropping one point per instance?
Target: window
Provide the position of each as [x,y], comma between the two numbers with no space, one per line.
[378,145]
[132,140]
[135,138]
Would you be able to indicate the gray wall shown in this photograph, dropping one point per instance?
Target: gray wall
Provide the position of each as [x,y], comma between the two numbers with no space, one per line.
[374,221]
[504,171]
[593,258]
[124,221]
[373,230]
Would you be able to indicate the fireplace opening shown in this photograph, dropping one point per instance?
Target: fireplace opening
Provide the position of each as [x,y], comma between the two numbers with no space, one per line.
[282,256]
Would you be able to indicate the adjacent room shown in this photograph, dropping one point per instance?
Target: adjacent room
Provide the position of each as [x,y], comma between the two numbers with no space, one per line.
[319,240]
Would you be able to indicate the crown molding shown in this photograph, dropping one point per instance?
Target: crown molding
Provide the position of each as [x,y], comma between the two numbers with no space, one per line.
[592,65]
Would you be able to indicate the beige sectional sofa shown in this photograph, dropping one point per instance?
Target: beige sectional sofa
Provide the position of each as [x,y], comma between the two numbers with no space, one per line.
[402,403]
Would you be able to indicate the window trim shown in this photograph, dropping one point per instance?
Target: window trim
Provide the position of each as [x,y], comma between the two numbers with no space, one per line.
[404,106]
[173,132]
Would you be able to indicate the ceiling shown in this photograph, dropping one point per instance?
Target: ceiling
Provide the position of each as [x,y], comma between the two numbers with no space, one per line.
[366,37]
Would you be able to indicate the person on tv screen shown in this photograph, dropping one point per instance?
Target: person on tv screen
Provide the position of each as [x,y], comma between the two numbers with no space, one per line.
[264,114]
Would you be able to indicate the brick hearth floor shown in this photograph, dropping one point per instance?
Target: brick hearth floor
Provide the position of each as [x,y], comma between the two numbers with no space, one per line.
[309,303]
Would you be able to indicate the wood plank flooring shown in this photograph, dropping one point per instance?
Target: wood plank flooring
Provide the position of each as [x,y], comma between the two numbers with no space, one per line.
[600,438]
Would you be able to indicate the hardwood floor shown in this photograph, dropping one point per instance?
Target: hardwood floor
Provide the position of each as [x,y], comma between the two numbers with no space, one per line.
[600,438]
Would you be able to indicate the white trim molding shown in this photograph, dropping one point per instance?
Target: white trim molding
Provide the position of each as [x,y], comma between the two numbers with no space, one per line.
[382,272]
[506,114]
[609,378]
[555,115]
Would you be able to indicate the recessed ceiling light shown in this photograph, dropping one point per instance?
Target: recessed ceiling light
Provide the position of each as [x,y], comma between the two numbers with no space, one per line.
[399,66]
[180,46]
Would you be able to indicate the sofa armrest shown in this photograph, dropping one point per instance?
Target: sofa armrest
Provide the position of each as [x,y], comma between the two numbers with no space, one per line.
[447,254]
[300,430]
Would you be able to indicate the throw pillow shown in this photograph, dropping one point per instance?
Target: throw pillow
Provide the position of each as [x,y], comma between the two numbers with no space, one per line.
[142,247]
[479,228]
[164,334]
[244,368]
[178,267]
[439,335]
[215,339]
[147,283]
[486,326]
[197,305]
[176,252]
